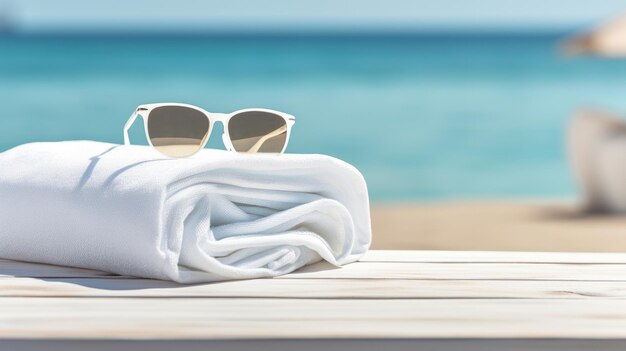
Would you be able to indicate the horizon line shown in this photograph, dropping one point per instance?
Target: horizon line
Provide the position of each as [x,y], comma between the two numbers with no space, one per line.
[450,31]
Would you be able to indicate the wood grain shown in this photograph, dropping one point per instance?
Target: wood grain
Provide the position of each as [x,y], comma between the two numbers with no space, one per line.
[303,344]
[465,271]
[241,318]
[315,288]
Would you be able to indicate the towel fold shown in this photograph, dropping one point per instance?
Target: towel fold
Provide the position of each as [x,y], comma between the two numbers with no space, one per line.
[215,216]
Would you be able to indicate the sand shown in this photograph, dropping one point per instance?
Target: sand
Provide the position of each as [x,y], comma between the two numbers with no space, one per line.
[555,225]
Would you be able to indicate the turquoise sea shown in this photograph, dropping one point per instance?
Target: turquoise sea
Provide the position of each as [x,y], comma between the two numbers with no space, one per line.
[423,117]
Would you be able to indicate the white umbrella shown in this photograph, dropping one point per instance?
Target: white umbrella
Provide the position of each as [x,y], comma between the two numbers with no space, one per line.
[607,39]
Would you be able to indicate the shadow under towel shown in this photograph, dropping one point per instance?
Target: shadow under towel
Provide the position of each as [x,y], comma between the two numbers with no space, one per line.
[215,216]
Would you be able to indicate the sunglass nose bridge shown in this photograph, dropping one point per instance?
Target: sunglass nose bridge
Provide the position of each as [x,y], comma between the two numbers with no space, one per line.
[221,117]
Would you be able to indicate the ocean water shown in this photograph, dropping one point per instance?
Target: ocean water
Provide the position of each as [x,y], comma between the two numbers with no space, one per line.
[422,116]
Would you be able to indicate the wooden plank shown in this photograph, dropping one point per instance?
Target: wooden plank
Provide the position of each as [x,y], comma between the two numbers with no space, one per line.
[314,288]
[491,257]
[464,271]
[27,269]
[216,318]
[385,270]
[391,270]
[447,344]
[415,265]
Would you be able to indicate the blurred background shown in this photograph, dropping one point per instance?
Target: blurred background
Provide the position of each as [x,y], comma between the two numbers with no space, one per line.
[455,112]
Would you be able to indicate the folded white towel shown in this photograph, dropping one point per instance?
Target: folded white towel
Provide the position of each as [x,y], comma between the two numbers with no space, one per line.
[214,216]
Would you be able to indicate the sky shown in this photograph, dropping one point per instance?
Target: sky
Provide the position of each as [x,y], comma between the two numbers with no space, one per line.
[315,15]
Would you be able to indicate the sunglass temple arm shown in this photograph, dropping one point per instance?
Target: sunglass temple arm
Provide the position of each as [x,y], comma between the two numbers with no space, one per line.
[255,148]
[127,126]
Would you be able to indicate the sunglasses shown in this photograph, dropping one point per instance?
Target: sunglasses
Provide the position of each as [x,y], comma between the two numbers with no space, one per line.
[181,130]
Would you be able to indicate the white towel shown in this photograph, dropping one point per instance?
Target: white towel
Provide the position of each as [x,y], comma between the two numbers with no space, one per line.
[215,216]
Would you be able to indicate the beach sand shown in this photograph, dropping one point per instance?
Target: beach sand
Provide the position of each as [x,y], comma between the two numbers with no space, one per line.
[557,225]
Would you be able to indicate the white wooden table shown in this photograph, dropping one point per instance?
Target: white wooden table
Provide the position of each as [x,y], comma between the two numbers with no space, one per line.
[392,300]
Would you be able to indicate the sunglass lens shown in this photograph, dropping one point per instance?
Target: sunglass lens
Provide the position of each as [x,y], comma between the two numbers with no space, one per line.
[258,131]
[177,131]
